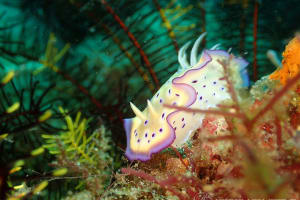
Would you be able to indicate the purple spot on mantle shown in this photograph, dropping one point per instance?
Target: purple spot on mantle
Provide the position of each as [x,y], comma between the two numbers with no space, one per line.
[200,98]
[160,130]
[153,134]
[148,141]
[146,122]
[169,91]
[157,95]
[204,86]
[177,95]
[175,128]
[183,126]
[214,94]
[195,81]
[222,88]
[182,119]
[162,116]
[146,135]
[174,103]
[214,82]
[160,101]
[138,140]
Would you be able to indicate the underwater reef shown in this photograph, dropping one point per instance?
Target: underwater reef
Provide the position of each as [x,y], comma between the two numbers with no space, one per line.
[171,99]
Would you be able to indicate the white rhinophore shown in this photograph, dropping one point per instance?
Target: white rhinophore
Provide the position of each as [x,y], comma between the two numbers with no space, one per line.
[194,55]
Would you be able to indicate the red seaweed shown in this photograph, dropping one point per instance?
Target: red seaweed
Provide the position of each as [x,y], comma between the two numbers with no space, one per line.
[243,163]
[134,42]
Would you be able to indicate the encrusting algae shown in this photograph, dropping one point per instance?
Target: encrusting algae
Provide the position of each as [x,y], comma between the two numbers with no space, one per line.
[290,63]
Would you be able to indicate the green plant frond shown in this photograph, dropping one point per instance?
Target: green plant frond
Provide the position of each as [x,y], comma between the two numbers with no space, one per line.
[94,135]
[54,152]
[48,146]
[73,140]
[69,124]
[61,110]
[45,136]
[77,118]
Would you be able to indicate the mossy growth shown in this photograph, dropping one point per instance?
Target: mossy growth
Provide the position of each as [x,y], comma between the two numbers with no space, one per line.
[86,157]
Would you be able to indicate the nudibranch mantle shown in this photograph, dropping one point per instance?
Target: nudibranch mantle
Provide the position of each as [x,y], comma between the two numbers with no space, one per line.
[195,85]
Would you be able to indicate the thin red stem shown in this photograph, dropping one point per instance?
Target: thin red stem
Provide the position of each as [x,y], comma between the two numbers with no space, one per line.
[180,157]
[133,40]
[222,138]
[130,57]
[293,167]
[278,132]
[215,112]
[230,86]
[271,103]
[82,89]
[164,184]
[9,116]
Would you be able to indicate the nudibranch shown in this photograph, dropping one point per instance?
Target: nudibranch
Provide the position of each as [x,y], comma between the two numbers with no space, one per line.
[195,85]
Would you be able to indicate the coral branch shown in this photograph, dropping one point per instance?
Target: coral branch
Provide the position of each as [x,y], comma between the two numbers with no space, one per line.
[214,112]
[134,42]
[222,138]
[230,86]
[278,132]
[271,103]
[293,167]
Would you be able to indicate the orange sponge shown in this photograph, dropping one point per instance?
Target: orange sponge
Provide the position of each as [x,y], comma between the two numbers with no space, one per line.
[290,62]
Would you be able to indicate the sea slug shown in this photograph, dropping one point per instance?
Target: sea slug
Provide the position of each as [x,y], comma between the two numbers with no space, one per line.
[195,85]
